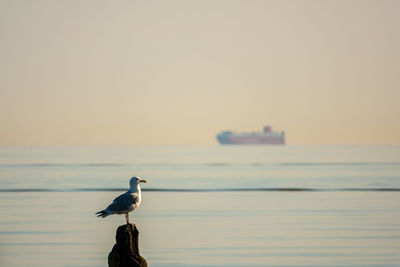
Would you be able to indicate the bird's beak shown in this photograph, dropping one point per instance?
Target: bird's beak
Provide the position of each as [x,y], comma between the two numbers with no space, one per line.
[142,181]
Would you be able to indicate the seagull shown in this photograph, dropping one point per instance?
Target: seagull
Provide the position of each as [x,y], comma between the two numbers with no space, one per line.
[126,202]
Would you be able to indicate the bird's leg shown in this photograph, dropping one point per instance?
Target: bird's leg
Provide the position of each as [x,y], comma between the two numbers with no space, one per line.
[127,218]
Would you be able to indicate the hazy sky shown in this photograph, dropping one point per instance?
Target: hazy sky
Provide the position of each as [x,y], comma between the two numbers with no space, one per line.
[178,72]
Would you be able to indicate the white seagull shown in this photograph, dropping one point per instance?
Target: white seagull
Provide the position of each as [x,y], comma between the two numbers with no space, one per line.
[126,202]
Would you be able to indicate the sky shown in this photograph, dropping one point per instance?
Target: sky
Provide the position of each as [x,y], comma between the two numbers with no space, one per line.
[178,72]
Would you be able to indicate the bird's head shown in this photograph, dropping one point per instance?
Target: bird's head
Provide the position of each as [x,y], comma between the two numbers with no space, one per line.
[135,181]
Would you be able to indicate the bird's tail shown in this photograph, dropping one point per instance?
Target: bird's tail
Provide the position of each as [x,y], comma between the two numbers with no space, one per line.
[102,213]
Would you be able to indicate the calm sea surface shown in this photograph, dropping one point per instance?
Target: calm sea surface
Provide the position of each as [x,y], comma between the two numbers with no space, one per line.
[204,205]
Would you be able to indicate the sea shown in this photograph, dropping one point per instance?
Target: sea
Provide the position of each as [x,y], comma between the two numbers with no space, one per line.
[291,205]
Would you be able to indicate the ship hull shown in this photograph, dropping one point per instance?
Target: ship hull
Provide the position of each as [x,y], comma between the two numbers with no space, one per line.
[250,140]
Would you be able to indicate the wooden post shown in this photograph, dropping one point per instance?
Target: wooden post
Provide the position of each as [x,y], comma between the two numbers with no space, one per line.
[125,252]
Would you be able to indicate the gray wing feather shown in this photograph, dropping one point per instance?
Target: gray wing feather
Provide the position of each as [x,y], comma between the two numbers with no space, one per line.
[123,202]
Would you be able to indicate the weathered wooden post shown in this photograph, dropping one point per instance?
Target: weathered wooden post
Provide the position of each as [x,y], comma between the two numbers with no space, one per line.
[125,252]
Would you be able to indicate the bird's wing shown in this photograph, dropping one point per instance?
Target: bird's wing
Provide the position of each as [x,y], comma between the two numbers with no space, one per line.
[123,202]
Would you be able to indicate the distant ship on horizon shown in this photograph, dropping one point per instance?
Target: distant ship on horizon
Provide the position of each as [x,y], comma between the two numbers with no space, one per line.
[266,137]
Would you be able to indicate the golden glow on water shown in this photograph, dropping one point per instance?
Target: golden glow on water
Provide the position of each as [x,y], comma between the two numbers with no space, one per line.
[226,229]
[330,226]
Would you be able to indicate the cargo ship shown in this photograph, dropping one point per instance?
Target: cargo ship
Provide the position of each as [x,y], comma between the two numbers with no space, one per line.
[266,137]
